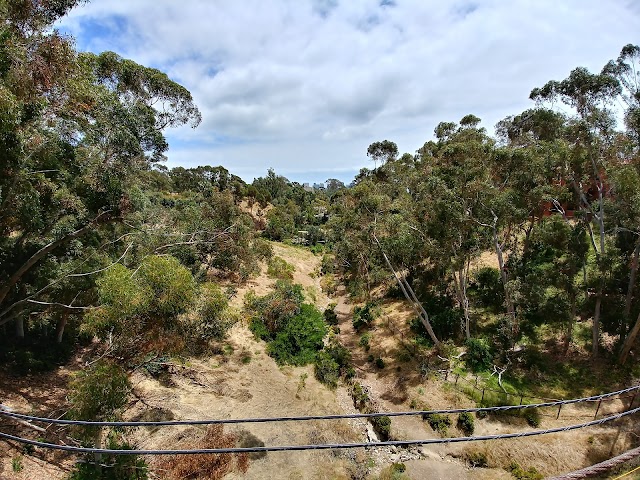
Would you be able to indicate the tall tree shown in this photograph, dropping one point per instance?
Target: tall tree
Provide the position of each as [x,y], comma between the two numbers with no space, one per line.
[76,129]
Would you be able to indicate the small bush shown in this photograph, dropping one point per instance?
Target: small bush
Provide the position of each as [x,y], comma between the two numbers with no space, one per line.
[382,426]
[532,416]
[521,474]
[363,317]
[394,471]
[364,341]
[479,354]
[279,268]
[16,464]
[360,396]
[477,459]
[327,370]
[438,422]
[330,315]
[380,363]
[98,393]
[112,467]
[466,423]
[300,339]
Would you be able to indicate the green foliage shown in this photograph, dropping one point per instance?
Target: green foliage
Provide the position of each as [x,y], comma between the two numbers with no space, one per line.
[170,285]
[438,422]
[477,459]
[330,315]
[382,426]
[112,467]
[488,288]
[299,340]
[327,370]
[16,464]
[466,423]
[521,474]
[379,363]
[479,354]
[364,341]
[279,268]
[213,316]
[270,313]
[98,393]
[360,397]
[363,317]
[394,472]
[160,289]
[532,416]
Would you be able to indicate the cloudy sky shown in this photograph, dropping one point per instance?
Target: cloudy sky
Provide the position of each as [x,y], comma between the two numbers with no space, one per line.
[304,86]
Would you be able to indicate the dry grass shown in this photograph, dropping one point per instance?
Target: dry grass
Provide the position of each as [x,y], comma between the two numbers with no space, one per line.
[205,466]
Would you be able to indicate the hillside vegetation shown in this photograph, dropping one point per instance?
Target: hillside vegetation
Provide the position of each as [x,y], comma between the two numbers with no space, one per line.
[479,270]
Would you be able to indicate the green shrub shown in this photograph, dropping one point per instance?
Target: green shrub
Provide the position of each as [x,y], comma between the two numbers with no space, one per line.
[330,315]
[479,354]
[213,316]
[438,422]
[487,287]
[521,474]
[98,393]
[170,285]
[477,459]
[466,423]
[363,317]
[326,369]
[364,341]
[269,314]
[382,426]
[298,342]
[532,416]
[360,396]
[279,268]
[380,363]
[16,464]
[112,467]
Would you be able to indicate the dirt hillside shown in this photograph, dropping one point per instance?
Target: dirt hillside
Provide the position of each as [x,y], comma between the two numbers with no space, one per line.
[243,382]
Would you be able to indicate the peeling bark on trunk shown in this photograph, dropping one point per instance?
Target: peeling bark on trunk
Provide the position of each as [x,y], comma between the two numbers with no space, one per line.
[62,323]
[460,280]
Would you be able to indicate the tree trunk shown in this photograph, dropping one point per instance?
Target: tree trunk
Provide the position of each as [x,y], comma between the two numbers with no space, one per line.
[632,283]
[569,335]
[503,275]
[20,327]
[630,341]
[411,297]
[62,323]
[460,281]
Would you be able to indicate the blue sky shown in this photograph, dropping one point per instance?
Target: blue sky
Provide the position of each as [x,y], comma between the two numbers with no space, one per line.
[304,86]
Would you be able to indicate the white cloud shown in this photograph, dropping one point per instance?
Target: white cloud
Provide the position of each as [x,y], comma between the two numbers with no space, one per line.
[308,84]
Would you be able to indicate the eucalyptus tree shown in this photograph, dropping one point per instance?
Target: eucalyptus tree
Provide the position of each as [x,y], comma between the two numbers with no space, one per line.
[454,172]
[76,129]
[590,134]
